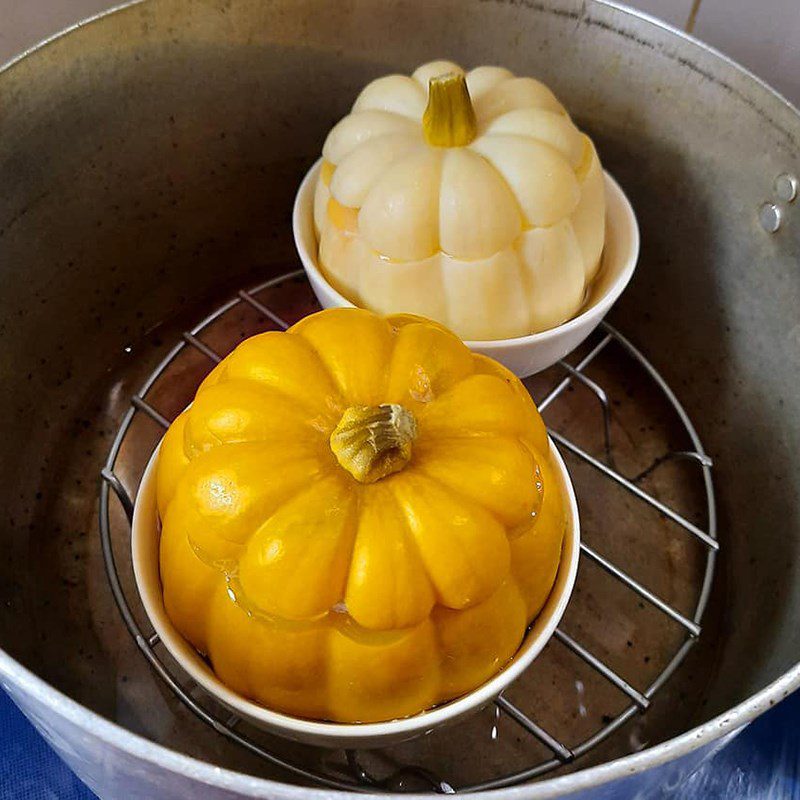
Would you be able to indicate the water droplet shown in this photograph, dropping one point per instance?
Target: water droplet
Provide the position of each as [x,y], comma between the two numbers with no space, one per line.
[637,742]
[495,731]
[581,690]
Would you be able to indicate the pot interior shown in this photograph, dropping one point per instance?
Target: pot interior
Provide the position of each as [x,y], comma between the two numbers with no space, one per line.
[149,162]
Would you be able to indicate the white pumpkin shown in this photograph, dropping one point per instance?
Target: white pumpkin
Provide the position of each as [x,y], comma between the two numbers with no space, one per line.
[470,198]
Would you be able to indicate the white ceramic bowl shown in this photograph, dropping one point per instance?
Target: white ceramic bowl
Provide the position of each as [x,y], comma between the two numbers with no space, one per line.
[523,355]
[145,545]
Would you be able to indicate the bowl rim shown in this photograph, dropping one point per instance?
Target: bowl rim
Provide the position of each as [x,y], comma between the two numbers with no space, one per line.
[304,207]
[538,633]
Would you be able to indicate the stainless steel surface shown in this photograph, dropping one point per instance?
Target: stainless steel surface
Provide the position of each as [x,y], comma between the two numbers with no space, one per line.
[760,36]
[148,161]
[130,448]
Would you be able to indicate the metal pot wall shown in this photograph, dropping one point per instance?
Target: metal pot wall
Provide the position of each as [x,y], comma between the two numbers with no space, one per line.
[148,161]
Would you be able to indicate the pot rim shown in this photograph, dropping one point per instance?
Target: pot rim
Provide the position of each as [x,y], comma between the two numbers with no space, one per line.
[249,786]
[159,756]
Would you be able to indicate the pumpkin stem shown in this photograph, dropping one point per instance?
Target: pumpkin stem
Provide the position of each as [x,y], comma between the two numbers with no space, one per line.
[449,118]
[371,442]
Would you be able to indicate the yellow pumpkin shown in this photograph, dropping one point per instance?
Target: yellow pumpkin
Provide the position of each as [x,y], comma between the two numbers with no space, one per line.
[359,517]
[470,198]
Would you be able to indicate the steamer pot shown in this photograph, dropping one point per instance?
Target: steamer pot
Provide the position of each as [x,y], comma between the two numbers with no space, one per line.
[148,162]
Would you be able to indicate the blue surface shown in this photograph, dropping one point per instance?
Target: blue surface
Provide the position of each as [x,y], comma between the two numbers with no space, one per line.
[763,762]
[29,769]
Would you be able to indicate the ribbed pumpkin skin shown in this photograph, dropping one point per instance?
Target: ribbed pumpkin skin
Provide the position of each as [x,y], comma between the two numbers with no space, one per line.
[498,238]
[323,597]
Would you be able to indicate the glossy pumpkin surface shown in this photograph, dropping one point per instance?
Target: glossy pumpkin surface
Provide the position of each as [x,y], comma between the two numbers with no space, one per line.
[359,517]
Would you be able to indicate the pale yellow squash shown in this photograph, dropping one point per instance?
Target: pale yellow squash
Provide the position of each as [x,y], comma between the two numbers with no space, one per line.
[470,198]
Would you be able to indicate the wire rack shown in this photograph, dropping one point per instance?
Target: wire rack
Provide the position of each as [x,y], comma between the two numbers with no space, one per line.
[356,777]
